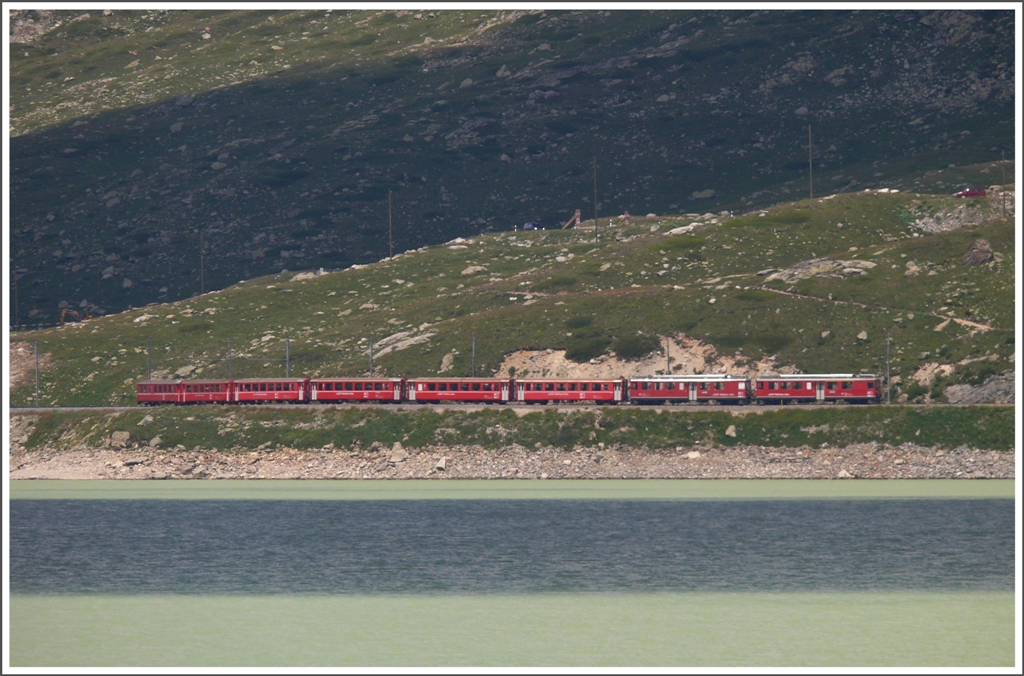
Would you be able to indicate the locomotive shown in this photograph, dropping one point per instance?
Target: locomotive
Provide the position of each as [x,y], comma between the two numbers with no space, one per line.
[676,389]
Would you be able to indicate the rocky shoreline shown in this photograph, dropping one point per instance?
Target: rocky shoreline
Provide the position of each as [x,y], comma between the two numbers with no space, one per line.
[856,461]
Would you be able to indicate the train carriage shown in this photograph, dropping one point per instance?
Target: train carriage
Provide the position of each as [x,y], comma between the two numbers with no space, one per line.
[270,390]
[437,390]
[204,392]
[719,387]
[542,391]
[328,390]
[814,387]
[154,392]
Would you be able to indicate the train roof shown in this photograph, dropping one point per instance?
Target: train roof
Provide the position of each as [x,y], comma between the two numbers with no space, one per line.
[460,380]
[363,378]
[692,377]
[270,380]
[567,380]
[821,376]
[161,382]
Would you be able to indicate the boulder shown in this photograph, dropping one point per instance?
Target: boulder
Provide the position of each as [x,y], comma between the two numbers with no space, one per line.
[979,253]
[146,420]
[155,441]
[730,431]
[398,454]
[703,194]
[693,455]
[863,335]
[441,464]
[120,439]
[473,270]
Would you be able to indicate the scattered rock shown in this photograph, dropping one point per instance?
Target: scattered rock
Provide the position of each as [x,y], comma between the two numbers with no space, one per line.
[131,462]
[468,82]
[843,474]
[146,420]
[979,253]
[826,334]
[398,454]
[863,335]
[730,431]
[693,455]
[184,371]
[176,127]
[802,110]
[998,389]
[126,284]
[441,464]
[183,101]
[119,439]
[503,71]
[155,441]
[703,194]
[133,64]
[473,270]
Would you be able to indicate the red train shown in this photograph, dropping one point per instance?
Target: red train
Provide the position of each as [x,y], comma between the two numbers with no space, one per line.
[721,388]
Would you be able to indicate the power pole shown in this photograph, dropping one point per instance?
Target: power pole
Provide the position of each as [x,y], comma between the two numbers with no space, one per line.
[149,362]
[37,373]
[287,357]
[391,244]
[810,160]
[371,356]
[1002,187]
[668,358]
[474,355]
[888,369]
[229,359]
[597,236]
[202,265]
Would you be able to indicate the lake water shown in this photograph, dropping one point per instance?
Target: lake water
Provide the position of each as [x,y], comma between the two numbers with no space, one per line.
[550,581]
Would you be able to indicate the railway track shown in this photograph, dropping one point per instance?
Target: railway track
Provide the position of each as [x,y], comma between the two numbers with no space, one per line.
[517,407]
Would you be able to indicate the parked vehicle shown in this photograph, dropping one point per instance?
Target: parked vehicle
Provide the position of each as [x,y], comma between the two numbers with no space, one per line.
[971,192]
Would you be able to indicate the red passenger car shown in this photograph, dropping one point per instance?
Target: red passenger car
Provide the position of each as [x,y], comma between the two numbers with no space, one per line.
[811,387]
[153,392]
[434,390]
[561,390]
[269,390]
[204,391]
[693,388]
[327,390]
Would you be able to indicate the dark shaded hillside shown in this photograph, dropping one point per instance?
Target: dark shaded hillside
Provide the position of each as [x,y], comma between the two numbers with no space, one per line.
[279,134]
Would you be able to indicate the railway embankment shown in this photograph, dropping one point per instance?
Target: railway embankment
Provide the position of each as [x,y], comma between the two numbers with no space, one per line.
[588,443]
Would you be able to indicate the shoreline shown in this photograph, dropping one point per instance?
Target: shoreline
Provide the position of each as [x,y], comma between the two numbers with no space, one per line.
[871,460]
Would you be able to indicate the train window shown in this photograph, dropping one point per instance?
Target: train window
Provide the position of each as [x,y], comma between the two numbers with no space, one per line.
[465,387]
[847,386]
[359,387]
[784,386]
[376,387]
[584,387]
[643,386]
[572,387]
[549,387]
[719,386]
[443,387]
[670,386]
[487,387]
[830,386]
[476,387]
[773,386]
[606,387]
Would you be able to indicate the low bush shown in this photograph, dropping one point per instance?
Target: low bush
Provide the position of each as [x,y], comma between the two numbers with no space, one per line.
[632,348]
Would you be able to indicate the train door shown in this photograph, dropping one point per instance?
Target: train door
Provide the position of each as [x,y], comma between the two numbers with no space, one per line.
[617,391]
[819,391]
[693,391]
[504,391]
[396,393]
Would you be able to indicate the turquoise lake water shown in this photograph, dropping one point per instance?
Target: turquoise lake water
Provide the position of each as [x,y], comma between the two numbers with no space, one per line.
[512,573]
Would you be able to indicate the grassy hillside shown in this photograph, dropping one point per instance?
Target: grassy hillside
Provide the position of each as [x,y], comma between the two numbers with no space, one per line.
[565,289]
[276,136]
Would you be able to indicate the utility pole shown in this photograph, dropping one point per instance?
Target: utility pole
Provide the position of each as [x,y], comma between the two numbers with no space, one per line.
[202,265]
[287,357]
[668,358]
[810,160]
[149,362]
[888,369]
[37,373]
[391,244]
[1002,172]
[597,236]
[17,321]
[474,355]
[371,356]
[229,359]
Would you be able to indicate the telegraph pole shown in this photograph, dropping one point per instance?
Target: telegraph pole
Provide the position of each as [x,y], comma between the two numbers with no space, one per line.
[810,161]
[37,373]
[149,362]
[597,236]
[668,358]
[474,355]
[202,265]
[888,369]
[391,244]
[229,359]
[371,356]
[287,357]
[1003,187]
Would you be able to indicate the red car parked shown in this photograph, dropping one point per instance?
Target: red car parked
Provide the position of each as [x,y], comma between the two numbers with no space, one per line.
[971,192]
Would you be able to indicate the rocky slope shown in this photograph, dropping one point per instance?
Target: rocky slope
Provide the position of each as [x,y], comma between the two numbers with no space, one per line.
[270,140]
